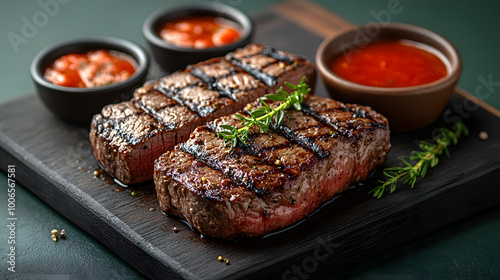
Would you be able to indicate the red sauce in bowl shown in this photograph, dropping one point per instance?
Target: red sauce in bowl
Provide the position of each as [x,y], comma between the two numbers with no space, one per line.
[93,69]
[390,64]
[199,32]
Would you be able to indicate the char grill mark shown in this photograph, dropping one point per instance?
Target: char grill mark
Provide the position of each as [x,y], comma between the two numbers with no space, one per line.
[265,63]
[123,124]
[197,176]
[190,91]
[245,169]
[224,77]
[162,108]
[126,140]
[347,120]
[273,148]
[202,100]
[321,121]
[211,70]
[307,132]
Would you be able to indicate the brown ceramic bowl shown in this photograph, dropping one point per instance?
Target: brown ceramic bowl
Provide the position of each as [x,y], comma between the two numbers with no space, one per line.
[407,108]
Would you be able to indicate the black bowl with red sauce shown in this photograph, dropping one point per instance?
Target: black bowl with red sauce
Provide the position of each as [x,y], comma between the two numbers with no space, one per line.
[172,56]
[76,102]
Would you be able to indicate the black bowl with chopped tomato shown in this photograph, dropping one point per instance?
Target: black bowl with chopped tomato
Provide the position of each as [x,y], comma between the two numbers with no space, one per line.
[221,29]
[75,79]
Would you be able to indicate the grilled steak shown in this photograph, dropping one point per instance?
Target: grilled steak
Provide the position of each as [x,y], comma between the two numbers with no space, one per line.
[279,177]
[127,137]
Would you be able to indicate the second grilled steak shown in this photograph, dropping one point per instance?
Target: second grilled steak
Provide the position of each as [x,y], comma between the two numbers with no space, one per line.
[278,178]
[127,137]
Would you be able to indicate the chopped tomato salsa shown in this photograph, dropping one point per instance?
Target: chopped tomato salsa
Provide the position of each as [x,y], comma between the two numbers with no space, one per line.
[199,32]
[94,69]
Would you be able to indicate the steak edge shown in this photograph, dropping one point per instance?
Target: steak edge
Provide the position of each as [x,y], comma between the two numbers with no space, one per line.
[278,178]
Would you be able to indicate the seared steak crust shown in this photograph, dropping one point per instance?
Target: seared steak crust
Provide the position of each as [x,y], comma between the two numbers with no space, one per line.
[164,112]
[278,178]
[122,133]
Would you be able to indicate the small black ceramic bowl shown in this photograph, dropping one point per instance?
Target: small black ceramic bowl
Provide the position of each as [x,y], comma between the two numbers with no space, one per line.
[78,105]
[171,57]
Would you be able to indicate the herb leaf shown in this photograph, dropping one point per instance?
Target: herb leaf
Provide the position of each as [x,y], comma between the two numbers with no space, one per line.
[276,97]
[263,116]
[425,159]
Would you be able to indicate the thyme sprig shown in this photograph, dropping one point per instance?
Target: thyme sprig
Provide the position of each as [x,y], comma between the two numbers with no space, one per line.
[425,159]
[262,116]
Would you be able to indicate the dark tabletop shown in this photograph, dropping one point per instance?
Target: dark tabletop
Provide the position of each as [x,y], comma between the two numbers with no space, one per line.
[469,249]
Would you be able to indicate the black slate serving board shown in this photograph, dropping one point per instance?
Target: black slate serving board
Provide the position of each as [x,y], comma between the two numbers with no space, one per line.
[58,166]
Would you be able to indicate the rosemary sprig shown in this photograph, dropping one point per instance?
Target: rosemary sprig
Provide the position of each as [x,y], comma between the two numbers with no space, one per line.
[262,116]
[428,157]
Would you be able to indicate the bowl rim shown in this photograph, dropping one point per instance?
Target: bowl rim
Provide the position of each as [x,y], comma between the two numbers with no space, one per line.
[229,12]
[454,60]
[111,43]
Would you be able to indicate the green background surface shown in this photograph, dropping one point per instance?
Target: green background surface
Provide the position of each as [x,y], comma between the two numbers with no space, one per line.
[467,250]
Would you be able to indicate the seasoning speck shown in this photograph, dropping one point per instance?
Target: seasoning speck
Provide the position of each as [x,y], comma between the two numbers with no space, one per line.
[277,162]
[151,209]
[175,229]
[96,173]
[483,135]
[203,179]
[225,260]
[54,234]
[133,193]
[63,233]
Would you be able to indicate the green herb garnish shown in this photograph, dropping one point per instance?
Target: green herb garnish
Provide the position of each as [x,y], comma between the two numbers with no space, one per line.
[428,157]
[262,116]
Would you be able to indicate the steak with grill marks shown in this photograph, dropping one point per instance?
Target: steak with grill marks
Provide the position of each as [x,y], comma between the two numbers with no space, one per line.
[127,137]
[276,179]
